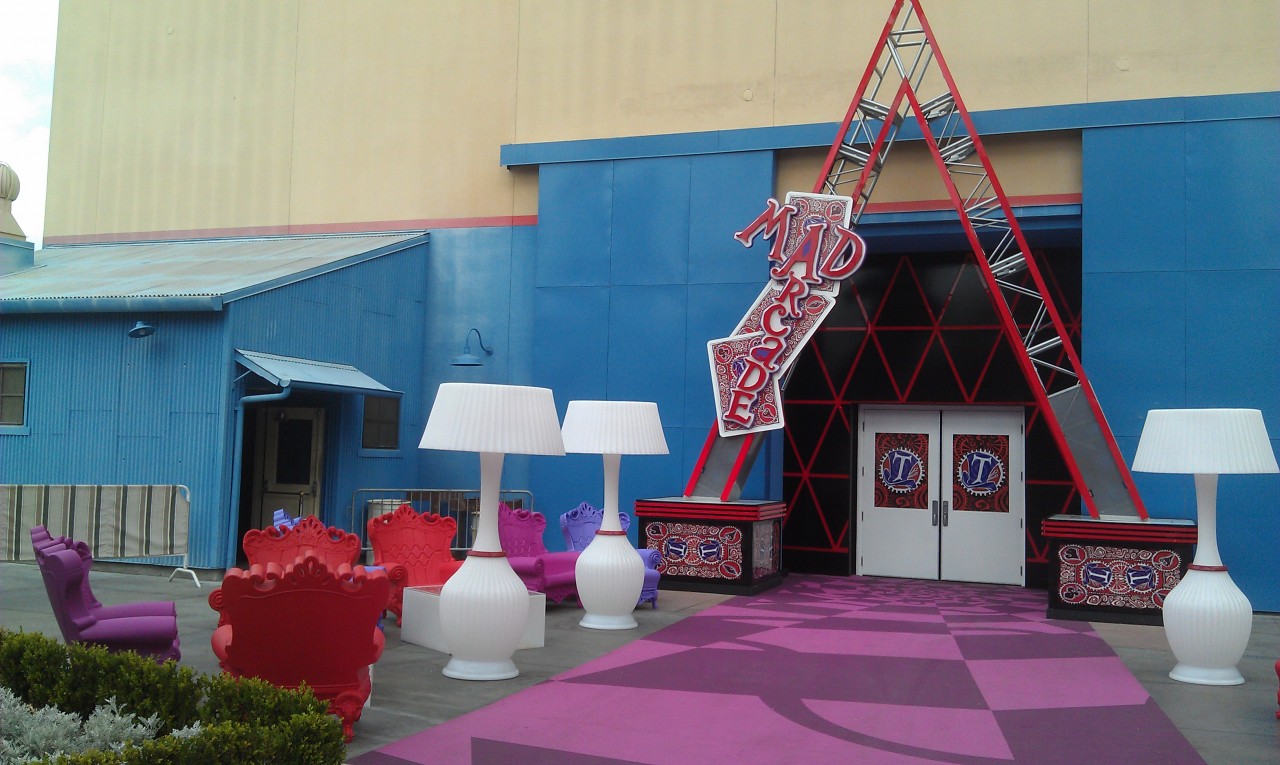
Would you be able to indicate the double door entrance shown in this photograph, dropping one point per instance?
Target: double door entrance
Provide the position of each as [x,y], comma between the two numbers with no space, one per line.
[940,494]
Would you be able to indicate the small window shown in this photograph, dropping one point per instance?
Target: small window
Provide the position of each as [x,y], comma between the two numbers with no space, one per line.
[13,394]
[381,423]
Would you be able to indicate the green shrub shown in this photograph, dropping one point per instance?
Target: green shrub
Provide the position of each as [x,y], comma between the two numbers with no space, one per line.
[239,720]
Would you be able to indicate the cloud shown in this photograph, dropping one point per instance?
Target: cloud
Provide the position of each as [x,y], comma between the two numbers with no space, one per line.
[26,100]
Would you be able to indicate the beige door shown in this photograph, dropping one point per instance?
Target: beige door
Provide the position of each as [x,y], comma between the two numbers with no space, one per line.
[293,462]
[940,494]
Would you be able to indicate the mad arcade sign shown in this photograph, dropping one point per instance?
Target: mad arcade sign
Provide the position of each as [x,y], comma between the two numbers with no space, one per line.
[813,250]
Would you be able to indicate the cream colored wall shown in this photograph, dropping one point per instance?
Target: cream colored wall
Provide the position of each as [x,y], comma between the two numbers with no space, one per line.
[233,115]
[1034,165]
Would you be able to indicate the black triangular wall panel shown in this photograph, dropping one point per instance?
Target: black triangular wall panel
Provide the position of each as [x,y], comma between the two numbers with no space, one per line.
[936,382]
[818,462]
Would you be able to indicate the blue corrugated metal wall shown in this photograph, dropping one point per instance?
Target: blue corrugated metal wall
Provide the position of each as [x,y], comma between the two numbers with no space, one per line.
[1181,284]
[373,316]
[105,408]
[631,269]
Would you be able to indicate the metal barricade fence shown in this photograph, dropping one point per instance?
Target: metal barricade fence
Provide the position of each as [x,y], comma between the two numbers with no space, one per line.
[463,505]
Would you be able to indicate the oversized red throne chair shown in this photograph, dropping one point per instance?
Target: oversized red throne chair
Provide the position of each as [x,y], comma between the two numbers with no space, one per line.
[284,544]
[417,544]
[304,623]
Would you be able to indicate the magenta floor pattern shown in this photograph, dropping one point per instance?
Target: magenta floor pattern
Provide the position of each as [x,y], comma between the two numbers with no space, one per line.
[858,670]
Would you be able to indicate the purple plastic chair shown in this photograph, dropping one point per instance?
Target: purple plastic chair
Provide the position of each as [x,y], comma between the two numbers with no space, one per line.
[282,520]
[520,532]
[41,539]
[579,527]
[82,619]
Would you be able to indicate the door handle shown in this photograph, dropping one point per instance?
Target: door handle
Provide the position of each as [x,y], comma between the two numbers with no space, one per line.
[945,511]
[935,513]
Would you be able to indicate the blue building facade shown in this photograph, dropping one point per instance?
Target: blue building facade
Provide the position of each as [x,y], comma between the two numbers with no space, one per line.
[631,268]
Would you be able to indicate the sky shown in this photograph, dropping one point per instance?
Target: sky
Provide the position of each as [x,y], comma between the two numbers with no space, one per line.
[26,97]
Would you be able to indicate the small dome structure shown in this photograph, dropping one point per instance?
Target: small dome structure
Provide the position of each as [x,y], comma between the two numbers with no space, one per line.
[9,187]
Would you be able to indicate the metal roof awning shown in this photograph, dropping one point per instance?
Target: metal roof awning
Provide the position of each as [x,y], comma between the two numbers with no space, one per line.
[180,276]
[287,371]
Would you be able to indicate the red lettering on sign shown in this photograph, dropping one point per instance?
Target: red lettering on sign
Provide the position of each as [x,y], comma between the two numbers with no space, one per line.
[775,218]
[833,267]
[806,260]
[771,320]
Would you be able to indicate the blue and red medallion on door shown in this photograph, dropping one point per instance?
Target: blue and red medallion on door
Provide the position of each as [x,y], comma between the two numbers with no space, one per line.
[902,476]
[981,480]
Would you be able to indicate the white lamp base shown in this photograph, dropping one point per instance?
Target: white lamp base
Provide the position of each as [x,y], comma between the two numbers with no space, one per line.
[1207,620]
[610,575]
[483,609]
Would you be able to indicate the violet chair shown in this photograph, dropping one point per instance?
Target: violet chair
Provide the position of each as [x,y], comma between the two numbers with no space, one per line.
[579,527]
[41,539]
[552,573]
[150,628]
[304,623]
[282,520]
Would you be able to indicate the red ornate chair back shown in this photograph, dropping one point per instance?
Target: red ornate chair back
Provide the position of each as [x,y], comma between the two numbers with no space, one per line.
[420,543]
[284,545]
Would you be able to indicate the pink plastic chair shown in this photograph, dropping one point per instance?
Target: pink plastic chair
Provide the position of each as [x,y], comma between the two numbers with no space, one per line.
[520,532]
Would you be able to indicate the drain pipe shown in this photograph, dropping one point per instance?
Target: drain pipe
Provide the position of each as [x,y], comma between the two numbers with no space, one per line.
[238,459]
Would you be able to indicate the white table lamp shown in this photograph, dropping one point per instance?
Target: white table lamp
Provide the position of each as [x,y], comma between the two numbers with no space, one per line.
[1206,617]
[484,605]
[610,573]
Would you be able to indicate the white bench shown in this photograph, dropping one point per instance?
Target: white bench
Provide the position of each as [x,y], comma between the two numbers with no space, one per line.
[420,622]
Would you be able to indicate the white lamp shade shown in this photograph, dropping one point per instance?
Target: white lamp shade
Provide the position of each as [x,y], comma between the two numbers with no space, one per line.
[1205,441]
[613,427]
[504,419]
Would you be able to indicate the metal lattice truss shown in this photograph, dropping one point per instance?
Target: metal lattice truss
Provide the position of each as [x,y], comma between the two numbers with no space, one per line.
[907,82]
[906,57]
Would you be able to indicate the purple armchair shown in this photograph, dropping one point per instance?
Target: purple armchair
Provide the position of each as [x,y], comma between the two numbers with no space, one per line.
[41,539]
[520,532]
[149,628]
[579,527]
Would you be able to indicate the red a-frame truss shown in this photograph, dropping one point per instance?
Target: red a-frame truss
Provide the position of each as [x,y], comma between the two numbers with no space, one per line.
[899,83]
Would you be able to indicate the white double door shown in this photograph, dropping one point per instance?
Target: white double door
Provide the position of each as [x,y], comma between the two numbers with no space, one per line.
[940,494]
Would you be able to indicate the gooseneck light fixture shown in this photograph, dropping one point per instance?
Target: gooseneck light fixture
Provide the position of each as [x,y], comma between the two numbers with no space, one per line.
[483,607]
[142,329]
[610,573]
[468,359]
[1207,619]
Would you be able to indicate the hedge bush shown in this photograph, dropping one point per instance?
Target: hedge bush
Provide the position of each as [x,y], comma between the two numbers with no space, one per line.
[241,720]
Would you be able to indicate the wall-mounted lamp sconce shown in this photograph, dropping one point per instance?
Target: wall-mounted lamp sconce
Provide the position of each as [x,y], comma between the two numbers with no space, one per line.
[142,329]
[467,359]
